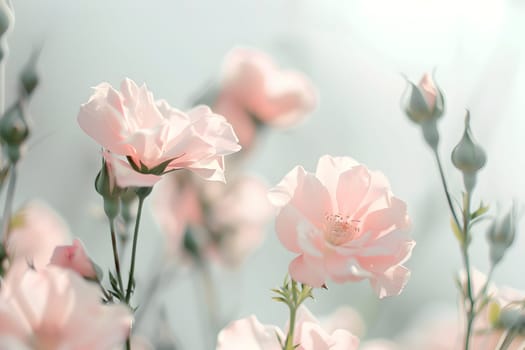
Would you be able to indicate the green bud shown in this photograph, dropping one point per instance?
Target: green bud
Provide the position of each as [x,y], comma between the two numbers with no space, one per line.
[468,156]
[14,130]
[423,102]
[500,235]
[105,183]
[6,17]
[29,76]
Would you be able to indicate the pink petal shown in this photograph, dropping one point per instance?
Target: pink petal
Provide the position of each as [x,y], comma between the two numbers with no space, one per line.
[303,272]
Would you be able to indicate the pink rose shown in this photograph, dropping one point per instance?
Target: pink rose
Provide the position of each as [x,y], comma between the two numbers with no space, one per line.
[34,232]
[254,88]
[74,257]
[54,308]
[345,224]
[250,334]
[154,137]
[228,221]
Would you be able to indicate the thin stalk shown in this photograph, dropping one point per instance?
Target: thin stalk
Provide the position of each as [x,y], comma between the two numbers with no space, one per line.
[9,201]
[289,345]
[445,188]
[2,79]
[210,296]
[116,255]
[471,312]
[134,249]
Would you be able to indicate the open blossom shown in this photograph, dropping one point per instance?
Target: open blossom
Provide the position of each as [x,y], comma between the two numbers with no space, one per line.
[227,221]
[74,257]
[345,224]
[250,334]
[34,232]
[154,137]
[54,308]
[254,90]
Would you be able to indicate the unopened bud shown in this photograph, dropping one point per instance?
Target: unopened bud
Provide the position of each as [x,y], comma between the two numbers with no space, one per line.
[29,76]
[424,104]
[468,156]
[500,235]
[106,186]
[512,318]
[6,17]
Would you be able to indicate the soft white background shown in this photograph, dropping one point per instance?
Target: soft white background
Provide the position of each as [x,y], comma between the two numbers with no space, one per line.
[354,51]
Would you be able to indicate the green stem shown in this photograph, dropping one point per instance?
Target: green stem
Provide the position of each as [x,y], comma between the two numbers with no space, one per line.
[445,188]
[128,344]
[116,255]
[9,201]
[289,345]
[134,249]
[471,312]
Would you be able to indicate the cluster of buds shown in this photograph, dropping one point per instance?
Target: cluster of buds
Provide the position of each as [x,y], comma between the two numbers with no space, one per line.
[14,125]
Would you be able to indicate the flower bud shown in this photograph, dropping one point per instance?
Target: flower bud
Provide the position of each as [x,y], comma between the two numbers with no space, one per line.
[423,102]
[468,156]
[106,186]
[14,130]
[29,77]
[500,235]
[6,17]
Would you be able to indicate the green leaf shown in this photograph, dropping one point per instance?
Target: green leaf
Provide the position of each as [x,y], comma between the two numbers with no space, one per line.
[480,211]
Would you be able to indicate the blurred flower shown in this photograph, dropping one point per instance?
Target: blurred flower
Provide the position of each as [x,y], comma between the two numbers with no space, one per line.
[54,308]
[345,224]
[254,90]
[34,232]
[155,137]
[226,221]
[250,334]
[443,331]
[74,257]
[500,235]
[344,317]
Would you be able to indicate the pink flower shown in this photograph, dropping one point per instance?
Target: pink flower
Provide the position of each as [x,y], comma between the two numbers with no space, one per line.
[34,232]
[250,334]
[155,137]
[55,308]
[253,87]
[227,221]
[74,257]
[345,224]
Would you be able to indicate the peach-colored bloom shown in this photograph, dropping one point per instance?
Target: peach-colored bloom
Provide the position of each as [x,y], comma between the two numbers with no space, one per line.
[34,232]
[250,334]
[155,137]
[54,308]
[227,221]
[344,317]
[345,224]
[74,257]
[254,89]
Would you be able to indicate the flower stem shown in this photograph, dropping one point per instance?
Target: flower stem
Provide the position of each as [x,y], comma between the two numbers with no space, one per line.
[141,196]
[116,255]
[9,201]
[445,187]
[289,345]
[471,311]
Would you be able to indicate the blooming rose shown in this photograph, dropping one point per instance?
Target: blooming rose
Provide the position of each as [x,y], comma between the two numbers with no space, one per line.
[74,257]
[253,90]
[155,137]
[345,224]
[250,334]
[54,308]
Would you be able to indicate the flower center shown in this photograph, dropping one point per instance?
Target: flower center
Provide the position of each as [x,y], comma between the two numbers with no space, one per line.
[340,229]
